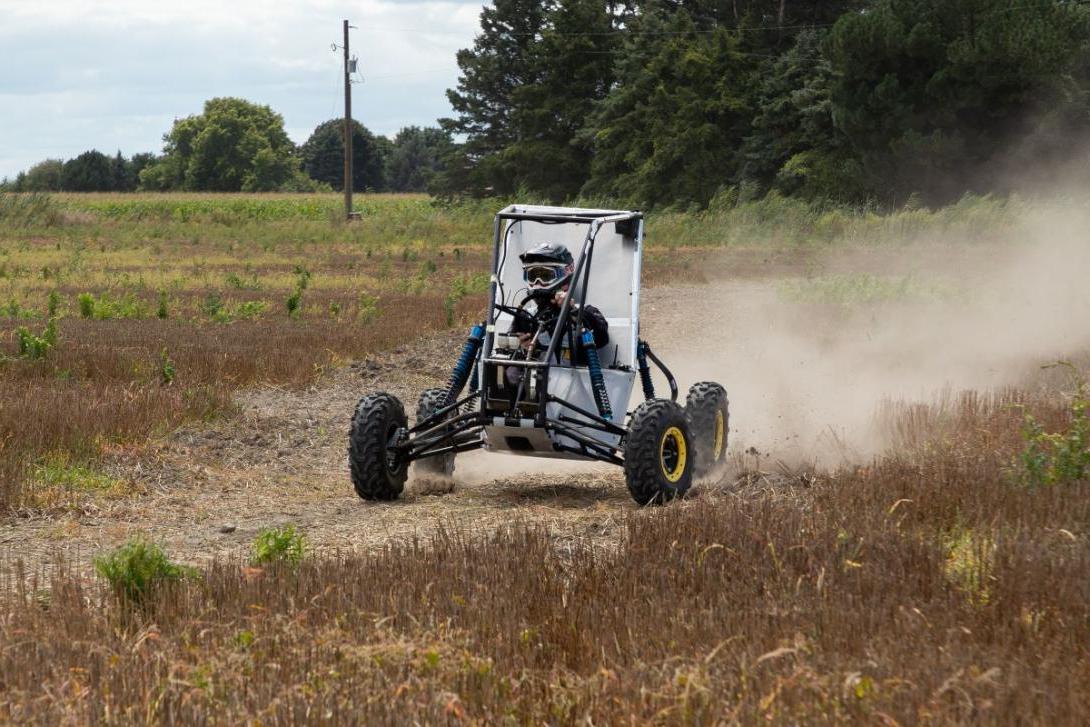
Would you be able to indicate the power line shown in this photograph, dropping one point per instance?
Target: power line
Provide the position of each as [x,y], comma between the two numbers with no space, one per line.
[619,31]
[424,73]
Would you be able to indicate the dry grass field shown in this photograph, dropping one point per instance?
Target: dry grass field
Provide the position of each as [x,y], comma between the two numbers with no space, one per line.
[923,588]
[202,363]
[162,310]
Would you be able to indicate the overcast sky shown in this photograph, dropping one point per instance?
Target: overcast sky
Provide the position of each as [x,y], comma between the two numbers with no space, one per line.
[115,74]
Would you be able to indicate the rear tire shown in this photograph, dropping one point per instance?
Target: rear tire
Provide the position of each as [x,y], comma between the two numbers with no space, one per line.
[708,410]
[658,463]
[378,473]
[431,401]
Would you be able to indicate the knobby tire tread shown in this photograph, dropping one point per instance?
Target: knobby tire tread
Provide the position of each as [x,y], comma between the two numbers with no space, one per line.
[703,401]
[642,470]
[430,401]
[371,476]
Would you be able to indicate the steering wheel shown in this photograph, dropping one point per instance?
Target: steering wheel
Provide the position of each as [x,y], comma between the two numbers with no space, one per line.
[519,312]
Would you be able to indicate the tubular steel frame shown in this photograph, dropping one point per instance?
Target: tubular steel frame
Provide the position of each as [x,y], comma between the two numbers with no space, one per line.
[439,435]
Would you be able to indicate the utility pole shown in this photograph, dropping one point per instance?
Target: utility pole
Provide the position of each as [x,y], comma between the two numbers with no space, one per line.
[347,131]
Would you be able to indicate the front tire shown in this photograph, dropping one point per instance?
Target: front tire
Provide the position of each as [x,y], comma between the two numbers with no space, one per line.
[708,411]
[378,472]
[658,460]
[442,465]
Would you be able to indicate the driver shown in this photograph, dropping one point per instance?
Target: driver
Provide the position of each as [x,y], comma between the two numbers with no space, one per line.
[547,270]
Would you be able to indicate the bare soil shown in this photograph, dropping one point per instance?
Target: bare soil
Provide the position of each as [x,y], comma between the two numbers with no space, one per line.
[206,490]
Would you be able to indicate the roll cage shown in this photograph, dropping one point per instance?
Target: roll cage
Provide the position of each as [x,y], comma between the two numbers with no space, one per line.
[551,413]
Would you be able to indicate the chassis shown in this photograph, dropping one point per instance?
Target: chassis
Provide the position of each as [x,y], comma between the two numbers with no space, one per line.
[555,405]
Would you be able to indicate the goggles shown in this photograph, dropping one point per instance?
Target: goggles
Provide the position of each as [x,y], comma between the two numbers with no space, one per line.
[542,273]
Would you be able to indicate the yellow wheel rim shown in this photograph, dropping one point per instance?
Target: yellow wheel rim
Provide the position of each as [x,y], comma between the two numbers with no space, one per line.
[673,454]
[720,435]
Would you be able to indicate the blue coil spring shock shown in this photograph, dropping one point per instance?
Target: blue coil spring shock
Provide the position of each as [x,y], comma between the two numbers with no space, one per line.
[645,371]
[464,367]
[597,380]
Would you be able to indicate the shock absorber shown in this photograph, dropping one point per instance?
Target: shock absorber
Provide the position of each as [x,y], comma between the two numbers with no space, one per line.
[464,367]
[597,380]
[645,371]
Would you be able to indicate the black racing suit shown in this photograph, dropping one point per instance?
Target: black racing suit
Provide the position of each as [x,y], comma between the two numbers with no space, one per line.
[593,321]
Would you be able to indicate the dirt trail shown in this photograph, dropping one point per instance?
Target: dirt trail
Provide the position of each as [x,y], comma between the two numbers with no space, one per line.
[210,488]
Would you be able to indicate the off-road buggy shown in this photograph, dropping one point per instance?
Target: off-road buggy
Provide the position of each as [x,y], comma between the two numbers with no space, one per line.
[553,404]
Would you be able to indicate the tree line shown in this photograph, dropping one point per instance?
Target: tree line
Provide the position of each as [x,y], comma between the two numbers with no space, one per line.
[678,102]
[238,146]
[672,102]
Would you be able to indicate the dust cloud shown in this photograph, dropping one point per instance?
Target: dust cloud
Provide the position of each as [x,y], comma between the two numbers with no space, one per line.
[805,372]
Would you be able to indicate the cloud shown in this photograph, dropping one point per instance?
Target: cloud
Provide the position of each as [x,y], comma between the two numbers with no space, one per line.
[115,75]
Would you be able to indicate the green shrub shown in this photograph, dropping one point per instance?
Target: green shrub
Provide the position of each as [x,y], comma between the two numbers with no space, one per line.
[970,562]
[249,309]
[53,304]
[136,568]
[86,305]
[279,545]
[36,347]
[14,310]
[214,308]
[303,277]
[105,306]
[368,309]
[167,371]
[460,287]
[238,283]
[29,210]
[448,309]
[294,302]
[1058,457]
[162,312]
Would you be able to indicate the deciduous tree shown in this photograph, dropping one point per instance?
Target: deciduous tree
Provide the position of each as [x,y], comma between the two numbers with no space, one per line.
[45,176]
[218,150]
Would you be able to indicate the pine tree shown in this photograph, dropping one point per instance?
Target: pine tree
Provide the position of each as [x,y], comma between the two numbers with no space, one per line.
[794,146]
[499,62]
[572,71]
[670,130]
[323,156]
[936,95]
[415,157]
